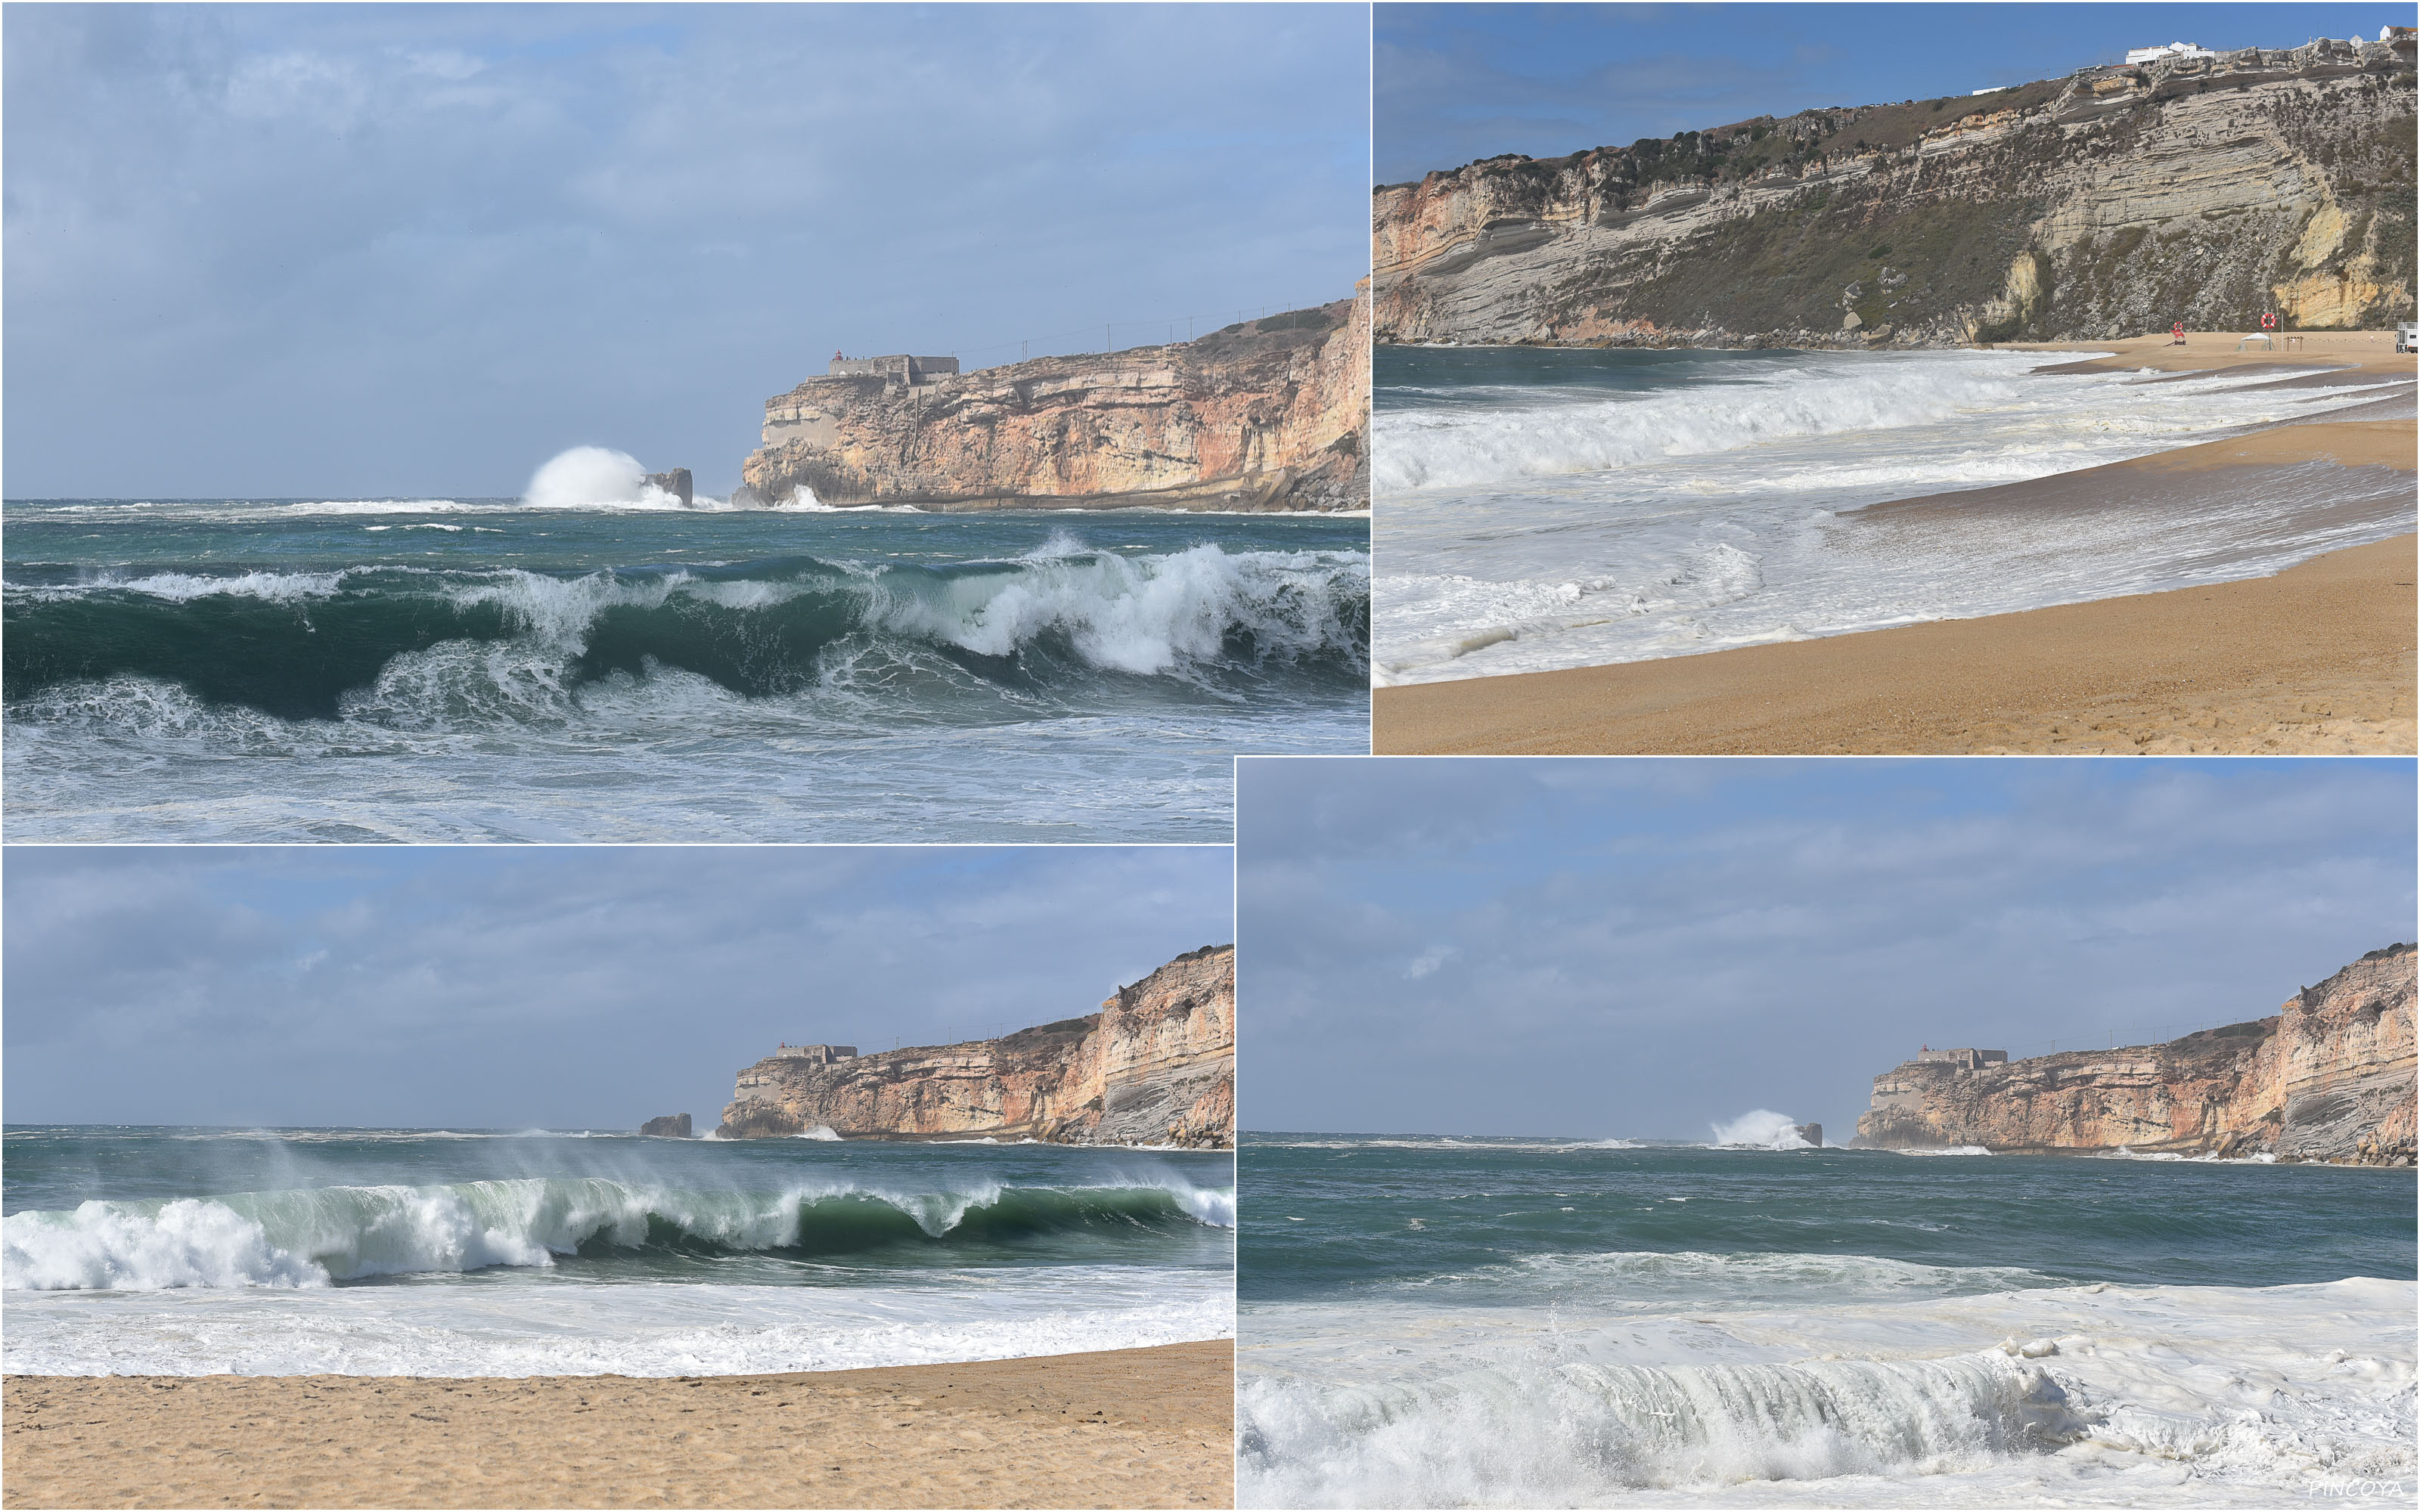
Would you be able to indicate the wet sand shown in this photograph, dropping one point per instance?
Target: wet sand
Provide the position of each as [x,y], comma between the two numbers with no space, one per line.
[2317,659]
[1119,1429]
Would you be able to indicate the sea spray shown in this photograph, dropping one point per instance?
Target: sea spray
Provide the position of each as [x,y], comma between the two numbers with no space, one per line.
[1762,1128]
[587,476]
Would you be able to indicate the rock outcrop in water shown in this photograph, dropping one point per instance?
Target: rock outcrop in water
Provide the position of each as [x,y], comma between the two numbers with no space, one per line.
[1267,415]
[2114,202]
[676,482]
[670,1126]
[2330,1077]
[1157,1065]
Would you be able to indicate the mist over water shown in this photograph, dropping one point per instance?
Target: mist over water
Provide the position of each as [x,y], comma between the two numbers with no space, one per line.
[1547,508]
[454,1252]
[1477,1322]
[249,670]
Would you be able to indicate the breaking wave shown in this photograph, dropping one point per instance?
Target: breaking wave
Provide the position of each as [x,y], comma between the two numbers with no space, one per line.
[1761,1129]
[1466,445]
[416,648]
[1571,1433]
[319,1237]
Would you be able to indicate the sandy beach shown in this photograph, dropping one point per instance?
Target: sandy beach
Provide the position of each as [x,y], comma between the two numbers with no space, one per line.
[1117,1429]
[2317,659]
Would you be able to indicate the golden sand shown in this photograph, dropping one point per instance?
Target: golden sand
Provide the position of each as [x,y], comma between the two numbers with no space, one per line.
[1119,1429]
[2317,659]
[2367,351]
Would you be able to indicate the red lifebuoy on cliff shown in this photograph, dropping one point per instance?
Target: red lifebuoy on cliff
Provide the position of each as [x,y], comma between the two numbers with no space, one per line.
[2268,321]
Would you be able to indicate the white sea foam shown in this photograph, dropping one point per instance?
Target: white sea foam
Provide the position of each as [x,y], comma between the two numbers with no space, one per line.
[1552,527]
[567,1327]
[2121,1152]
[184,587]
[1946,1149]
[2095,1395]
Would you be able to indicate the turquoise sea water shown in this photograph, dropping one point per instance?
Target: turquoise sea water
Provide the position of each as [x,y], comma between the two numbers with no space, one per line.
[254,670]
[466,1252]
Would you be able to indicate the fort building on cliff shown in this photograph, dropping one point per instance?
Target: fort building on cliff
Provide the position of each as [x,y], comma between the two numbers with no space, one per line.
[821,1054]
[900,372]
[1963,1060]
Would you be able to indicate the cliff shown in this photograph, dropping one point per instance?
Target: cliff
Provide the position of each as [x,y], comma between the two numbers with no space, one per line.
[1155,1065]
[2110,203]
[1270,414]
[2330,1077]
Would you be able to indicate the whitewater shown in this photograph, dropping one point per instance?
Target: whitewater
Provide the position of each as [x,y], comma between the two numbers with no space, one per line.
[1591,1323]
[429,1252]
[565,668]
[1551,508]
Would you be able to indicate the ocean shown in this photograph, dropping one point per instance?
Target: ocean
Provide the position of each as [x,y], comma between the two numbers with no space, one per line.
[494,670]
[1548,1322]
[163,1251]
[1544,508]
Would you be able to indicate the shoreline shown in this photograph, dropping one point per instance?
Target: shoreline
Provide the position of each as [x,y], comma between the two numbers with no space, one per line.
[1149,1427]
[2316,659]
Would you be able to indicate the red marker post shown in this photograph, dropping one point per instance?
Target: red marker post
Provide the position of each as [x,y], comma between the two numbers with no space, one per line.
[2177,330]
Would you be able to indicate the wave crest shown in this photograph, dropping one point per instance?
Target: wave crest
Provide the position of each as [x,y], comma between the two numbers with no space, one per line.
[1570,1433]
[314,1237]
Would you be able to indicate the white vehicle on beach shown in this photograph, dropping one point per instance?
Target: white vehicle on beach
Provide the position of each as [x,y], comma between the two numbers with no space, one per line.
[2407,337]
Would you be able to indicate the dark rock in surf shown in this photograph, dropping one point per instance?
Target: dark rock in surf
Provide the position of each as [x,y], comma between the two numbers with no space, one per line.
[676,482]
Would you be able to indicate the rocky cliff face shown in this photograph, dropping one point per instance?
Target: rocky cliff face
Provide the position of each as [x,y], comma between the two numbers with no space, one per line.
[2111,203]
[2330,1077]
[1157,1065]
[1271,414]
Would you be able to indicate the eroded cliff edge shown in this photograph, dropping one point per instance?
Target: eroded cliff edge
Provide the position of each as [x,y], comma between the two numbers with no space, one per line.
[2110,203]
[2330,1077]
[1154,1066]
[1267,415]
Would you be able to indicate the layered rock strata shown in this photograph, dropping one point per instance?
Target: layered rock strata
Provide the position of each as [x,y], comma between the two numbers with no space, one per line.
[1270,414]
[2330,1077]
[1154,1066]
[2114,202]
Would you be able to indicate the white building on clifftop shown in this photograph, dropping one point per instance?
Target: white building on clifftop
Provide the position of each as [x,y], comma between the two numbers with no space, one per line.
[2160,54]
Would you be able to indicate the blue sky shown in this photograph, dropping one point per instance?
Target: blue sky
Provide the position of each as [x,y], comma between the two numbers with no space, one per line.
[1456,83]
[556,988]
[1643,948]
[364,249]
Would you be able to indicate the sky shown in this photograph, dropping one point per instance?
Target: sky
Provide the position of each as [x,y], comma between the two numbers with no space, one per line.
[370,251]
[561,988]
[1457,83]
[1648,948]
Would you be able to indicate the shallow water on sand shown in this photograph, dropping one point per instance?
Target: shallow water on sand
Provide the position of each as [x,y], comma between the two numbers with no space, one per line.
[1544,508]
